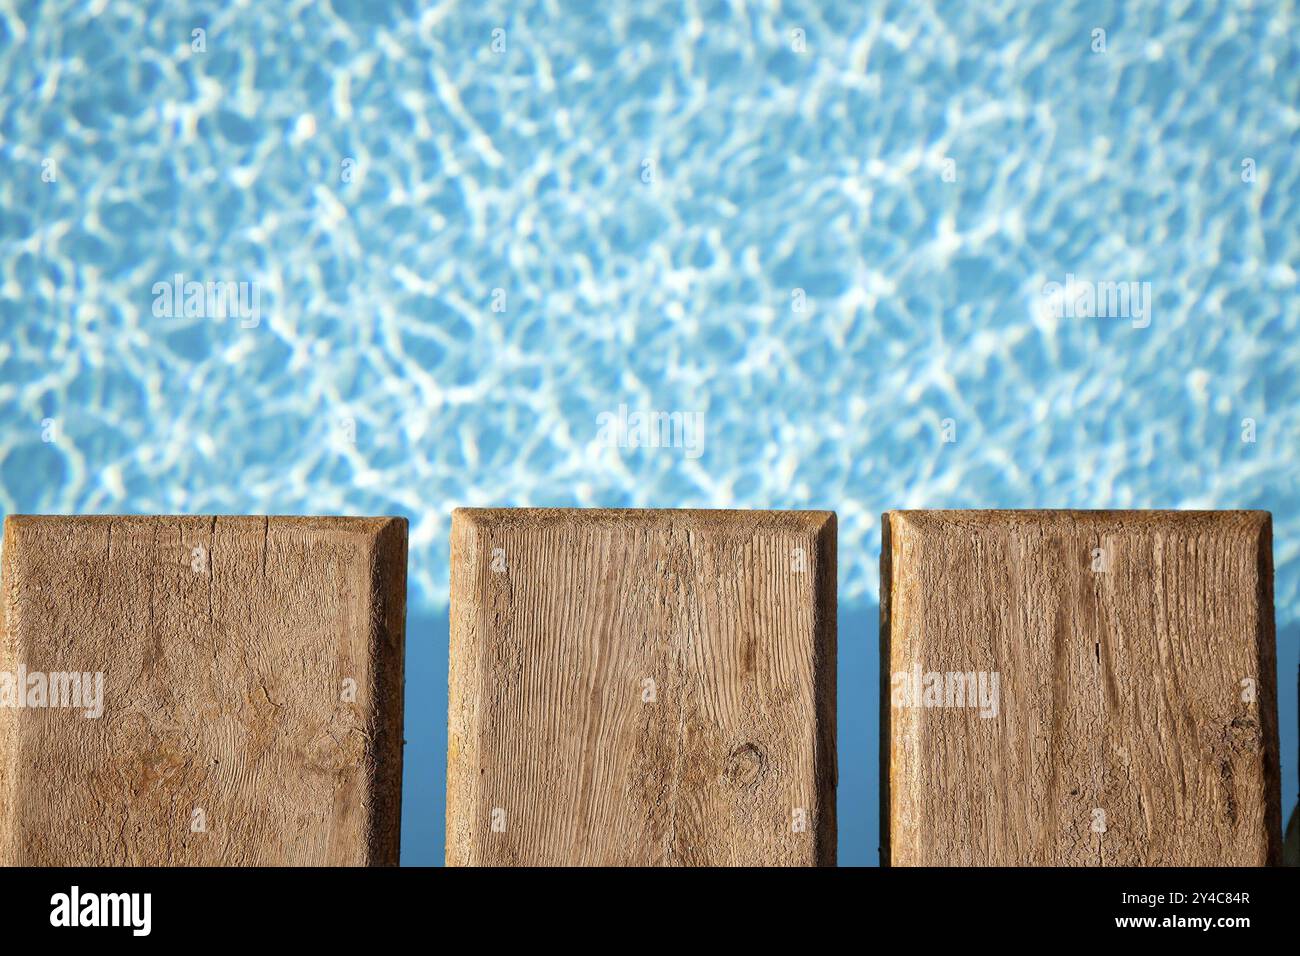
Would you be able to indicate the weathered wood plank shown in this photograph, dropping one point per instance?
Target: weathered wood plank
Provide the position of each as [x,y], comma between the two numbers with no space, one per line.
[642,688]
[1136,719]
[251,691]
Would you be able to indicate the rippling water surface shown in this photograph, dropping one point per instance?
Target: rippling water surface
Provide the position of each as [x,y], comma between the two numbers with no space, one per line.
[471,229]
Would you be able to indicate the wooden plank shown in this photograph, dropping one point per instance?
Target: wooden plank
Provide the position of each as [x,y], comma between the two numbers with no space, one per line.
[251,691]
[642,688]
[1136,723]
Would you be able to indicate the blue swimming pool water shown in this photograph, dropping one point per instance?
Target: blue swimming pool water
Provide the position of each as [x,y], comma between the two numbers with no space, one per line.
[826,232]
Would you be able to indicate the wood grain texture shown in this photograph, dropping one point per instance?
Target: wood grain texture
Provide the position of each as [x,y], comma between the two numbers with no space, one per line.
[229,734]
[1124,734]
[641,688]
